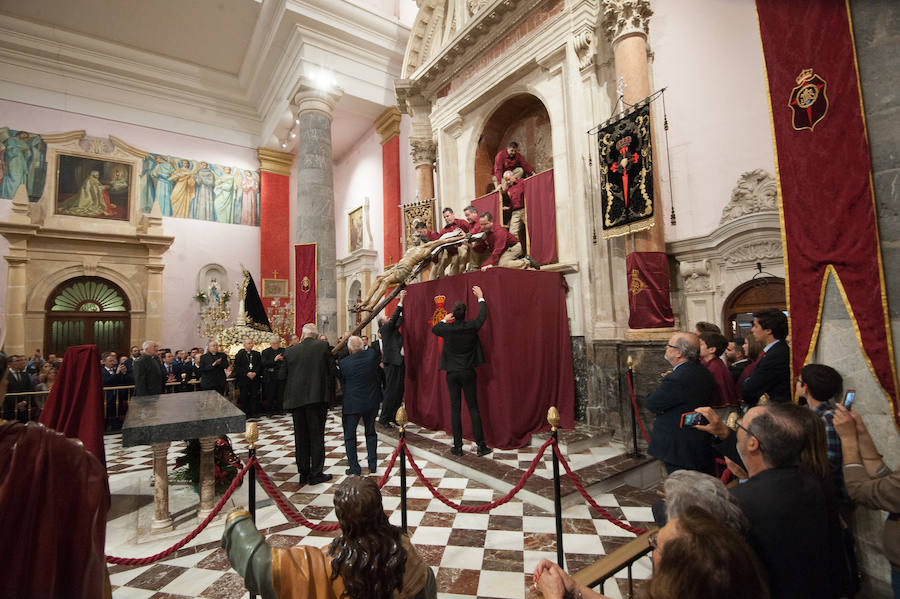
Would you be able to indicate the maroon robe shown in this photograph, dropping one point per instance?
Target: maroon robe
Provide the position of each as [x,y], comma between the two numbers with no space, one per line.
[516,194]
[496,241]
[725,391]
[457,223]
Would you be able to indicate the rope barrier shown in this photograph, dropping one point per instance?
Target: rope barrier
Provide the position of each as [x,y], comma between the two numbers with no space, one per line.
[487,506]
[574,478]
[143,561]
[637,412]
[288,509]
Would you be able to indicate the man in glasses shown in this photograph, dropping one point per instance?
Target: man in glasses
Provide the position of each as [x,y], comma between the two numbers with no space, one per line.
[682,390]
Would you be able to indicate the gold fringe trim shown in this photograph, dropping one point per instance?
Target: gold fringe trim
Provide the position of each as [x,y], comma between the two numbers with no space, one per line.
[642,225]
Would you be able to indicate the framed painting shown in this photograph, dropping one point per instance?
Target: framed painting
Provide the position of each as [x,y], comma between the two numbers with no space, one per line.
[275,288]
[93,188]
[355,229]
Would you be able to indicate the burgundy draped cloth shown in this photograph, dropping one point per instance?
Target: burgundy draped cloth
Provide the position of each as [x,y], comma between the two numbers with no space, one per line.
[649,306]
[305,277]
[527,350]
[489,203]
[54,499]
[540,211]
[824,168]
[75,404]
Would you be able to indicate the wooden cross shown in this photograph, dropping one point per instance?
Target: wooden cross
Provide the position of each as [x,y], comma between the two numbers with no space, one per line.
[275,273]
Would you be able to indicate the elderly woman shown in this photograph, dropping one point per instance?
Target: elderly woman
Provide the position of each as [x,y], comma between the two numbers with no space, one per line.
[372,559]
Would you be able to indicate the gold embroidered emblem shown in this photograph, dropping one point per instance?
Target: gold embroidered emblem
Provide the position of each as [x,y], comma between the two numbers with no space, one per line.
[637,284]
[439,311]
[305,285]
[808,102]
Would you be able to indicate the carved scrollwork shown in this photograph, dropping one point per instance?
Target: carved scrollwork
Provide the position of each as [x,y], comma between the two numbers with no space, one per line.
[695,275]
[583,41]
[756,191]
[473,6]
[756,252]
[625,17]
[423,151]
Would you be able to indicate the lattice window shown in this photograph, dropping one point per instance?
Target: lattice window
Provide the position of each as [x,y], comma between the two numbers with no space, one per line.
[89,295]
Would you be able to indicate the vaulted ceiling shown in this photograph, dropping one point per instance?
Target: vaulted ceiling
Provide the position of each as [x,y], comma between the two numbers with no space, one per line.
[219,69]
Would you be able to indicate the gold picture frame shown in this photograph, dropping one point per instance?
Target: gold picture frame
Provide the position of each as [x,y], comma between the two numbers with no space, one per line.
[275,288]
[355,229]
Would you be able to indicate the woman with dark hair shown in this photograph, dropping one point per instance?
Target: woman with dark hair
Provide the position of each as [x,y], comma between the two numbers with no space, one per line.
[371,559]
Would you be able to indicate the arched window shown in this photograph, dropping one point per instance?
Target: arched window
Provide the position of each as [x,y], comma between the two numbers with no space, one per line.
[753,296]
[87,310]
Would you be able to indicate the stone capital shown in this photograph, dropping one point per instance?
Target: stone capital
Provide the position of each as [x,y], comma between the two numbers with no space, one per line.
[621,18]
[387,125]
[423,151]
[308,96]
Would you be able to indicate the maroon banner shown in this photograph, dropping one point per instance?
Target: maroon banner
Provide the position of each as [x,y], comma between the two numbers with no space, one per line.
[828,213]
[527,351]
[648,290]
[489,203]
[540,211]
[304,284]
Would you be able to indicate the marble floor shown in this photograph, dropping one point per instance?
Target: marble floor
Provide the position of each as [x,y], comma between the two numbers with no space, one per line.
[473,555]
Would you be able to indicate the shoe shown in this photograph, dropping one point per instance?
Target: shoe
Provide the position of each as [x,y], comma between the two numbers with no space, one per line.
[373,470]
[534,263]
[303,479]
[351,472]
[319,478]
[456,450]
[483,450]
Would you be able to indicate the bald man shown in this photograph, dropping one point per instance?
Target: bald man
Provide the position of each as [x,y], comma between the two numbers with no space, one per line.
[686,387]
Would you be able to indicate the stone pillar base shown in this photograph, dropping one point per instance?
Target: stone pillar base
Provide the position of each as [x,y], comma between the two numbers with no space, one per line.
[162,519]
[207,477]
[650,334]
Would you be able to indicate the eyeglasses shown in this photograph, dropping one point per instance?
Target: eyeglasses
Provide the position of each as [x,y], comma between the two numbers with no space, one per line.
[748,431]
[673,346]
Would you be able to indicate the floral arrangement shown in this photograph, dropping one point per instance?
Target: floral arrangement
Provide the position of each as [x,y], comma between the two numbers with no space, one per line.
[226,464]
[200,296]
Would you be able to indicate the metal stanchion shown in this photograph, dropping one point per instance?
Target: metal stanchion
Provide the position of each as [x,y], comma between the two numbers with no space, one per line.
[252,436]
[553,419]
[402,420]
[634,426]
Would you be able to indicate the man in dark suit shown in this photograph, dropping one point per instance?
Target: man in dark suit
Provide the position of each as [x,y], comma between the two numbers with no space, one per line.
[461,354]
[688,386]
[149,374]
[247,369]
[735,358]
[212,367]
[359,376]
[19,381]
[272,359]
[309,371]
[115,375]
[772,374]
[394,369]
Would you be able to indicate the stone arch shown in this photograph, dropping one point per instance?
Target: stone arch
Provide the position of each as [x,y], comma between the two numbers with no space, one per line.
[521,115]
[40,292]
[354,292]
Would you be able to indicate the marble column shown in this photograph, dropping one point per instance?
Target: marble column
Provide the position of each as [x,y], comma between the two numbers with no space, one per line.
[162,519]
[423,153]
[207,477]
[315,193]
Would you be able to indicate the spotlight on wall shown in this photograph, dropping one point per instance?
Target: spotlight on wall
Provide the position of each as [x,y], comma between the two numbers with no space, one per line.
[283,144]
[293,134]
[297,119]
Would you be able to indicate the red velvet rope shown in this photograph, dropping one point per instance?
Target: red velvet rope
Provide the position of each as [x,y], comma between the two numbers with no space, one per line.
[637,413]
[287,508]
[574,478]
[143,561]
[487,506]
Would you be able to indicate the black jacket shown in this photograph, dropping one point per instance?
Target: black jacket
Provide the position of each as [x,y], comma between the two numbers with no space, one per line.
[462,349]
[772,375]
[359,377]
[244,363]
[213,377]
[391,338]
[149,376]
[687,387]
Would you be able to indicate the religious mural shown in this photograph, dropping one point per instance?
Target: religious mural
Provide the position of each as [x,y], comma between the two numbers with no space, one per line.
[93,188]
[23,161]
[192,189]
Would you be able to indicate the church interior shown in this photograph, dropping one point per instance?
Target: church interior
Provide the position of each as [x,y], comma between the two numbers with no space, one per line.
[179,173]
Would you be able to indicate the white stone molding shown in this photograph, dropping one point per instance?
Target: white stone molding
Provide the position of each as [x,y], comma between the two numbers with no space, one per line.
[626,17]
[755,191]
[695,275]
[583,42]
[306,97]
[754,252]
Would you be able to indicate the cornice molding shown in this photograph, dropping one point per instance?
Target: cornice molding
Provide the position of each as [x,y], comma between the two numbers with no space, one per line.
[387,125]
[272,161]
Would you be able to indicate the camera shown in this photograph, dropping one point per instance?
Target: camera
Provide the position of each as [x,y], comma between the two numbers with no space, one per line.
[849,396]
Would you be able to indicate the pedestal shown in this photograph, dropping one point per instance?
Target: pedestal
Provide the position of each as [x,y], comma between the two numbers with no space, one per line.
[207,477]
[162,519]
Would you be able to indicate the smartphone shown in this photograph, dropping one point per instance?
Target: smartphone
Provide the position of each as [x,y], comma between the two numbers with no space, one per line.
[693,419]
[849,396]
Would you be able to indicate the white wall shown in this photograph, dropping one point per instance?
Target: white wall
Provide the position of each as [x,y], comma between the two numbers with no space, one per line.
[357,176]
[196,244]
[407,168]
[709,57]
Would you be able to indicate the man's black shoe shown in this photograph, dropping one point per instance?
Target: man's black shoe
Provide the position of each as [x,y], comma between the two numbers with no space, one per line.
[303,479]
[534,263]
[456,450]
[319,478]
[350,472]
[484,450]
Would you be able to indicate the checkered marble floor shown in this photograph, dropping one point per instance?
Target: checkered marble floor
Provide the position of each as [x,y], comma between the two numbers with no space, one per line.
[473,555]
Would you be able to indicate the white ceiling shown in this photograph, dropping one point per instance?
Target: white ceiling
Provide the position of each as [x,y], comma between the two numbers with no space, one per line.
[220,69]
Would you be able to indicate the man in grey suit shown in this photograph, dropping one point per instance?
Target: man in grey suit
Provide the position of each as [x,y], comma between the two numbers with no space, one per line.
[309,372]
[149,373]
[359,376]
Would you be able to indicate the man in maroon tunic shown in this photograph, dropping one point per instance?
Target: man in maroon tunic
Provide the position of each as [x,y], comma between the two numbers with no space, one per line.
[472,259]
[514,189]
[504,247]
[450,255]
[510,160]
[711,347]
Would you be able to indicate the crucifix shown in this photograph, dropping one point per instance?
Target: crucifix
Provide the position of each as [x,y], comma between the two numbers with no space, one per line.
[275,273]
